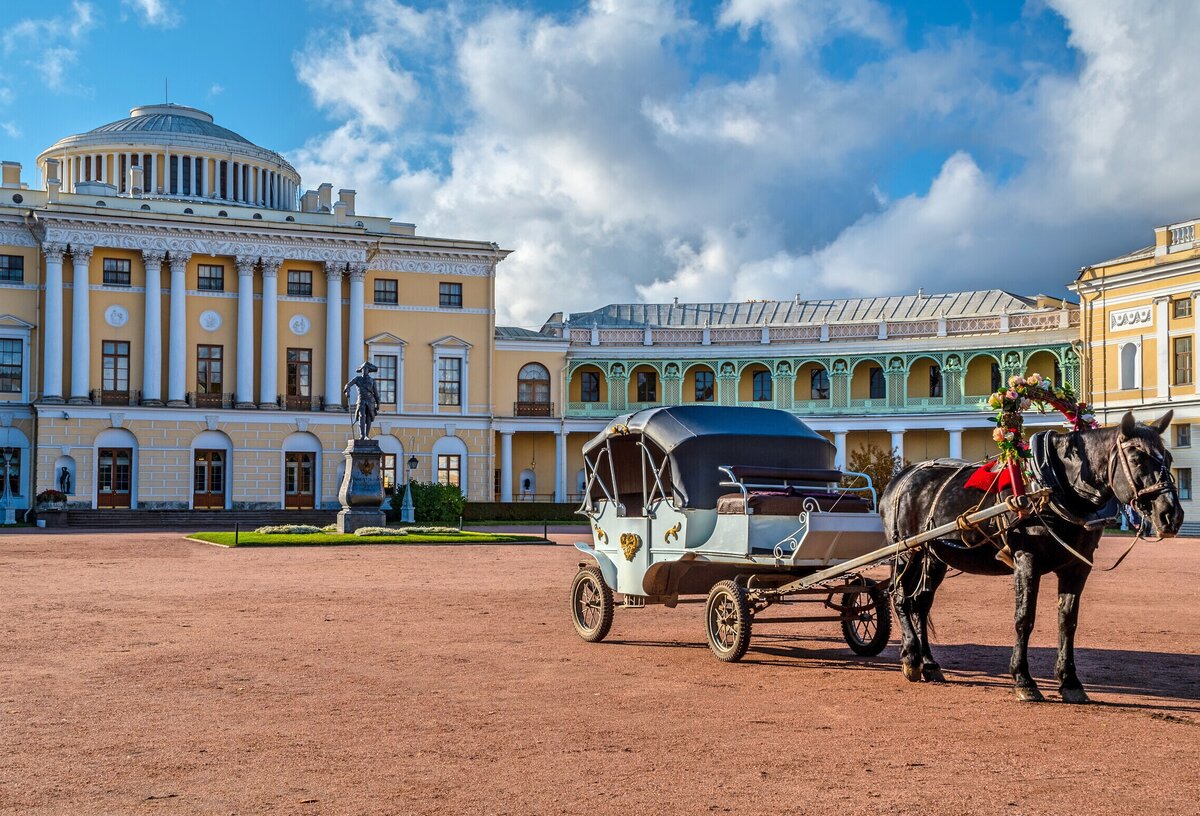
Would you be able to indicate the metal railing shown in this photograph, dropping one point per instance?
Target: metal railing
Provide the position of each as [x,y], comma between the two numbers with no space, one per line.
[533,409]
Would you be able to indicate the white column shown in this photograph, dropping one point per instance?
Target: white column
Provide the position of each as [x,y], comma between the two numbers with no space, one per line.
[204,176]
[506,466]
[245,332]
[52,390]
[228,180]
[333,335]
[955,443]
[897,442]
[177,334]
[152,339]
[839,452]
[1163,342]
[268,356]
[81,333]
[357,338]
[166,179]
[560,466]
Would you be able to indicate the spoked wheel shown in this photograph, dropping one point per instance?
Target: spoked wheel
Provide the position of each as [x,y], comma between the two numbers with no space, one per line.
[727,618]
[591,604]
[869,626]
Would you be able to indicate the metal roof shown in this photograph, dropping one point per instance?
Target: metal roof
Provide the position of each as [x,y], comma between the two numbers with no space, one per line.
[170,123]
[518,333]
[791,312]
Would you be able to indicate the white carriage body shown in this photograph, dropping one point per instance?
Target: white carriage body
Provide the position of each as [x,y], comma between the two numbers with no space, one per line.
[680,498]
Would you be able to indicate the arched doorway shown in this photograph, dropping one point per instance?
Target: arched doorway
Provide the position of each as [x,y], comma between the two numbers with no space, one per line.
[211,452]
[14,447]
[116,464]
[301,471]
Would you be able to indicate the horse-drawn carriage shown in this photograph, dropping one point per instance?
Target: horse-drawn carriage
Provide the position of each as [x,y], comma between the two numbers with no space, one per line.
[741,506]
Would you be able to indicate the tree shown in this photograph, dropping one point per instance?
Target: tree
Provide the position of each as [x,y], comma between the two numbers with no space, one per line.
[880,464]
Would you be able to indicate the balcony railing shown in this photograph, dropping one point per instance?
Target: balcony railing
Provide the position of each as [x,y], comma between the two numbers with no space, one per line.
[110,397]
[533,409]
[814,408]
[292,402]
[210,400]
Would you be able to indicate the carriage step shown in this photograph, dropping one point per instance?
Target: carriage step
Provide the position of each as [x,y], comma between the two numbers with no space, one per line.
[634,602]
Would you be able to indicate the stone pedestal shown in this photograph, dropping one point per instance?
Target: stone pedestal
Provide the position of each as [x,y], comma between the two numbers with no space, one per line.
[361,493]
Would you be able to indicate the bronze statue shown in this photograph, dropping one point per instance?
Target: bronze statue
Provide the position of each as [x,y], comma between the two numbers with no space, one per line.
[368,398]
[64,480]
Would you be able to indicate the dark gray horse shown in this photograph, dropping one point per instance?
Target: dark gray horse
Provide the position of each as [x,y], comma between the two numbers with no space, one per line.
[1089,472]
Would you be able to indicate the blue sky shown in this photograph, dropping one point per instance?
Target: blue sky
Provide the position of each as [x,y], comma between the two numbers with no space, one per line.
[656,149]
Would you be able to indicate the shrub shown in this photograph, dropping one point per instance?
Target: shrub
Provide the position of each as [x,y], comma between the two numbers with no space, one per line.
[436,503]
[425,530]
[881,465]
[329,528]
[51,497]
[289,529]
[379,531]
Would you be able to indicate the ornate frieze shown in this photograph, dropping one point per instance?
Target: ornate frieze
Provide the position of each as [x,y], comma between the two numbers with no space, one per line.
[471,266]
[15,235]
[1140,316]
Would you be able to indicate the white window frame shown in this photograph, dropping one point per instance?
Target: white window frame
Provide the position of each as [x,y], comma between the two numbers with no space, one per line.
[14,328]
[392,346]
[1137,366]
[451,347]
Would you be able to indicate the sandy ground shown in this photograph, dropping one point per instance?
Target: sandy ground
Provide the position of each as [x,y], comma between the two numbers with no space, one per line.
[140,673]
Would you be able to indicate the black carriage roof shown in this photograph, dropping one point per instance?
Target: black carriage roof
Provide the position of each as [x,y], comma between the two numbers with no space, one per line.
[698,439]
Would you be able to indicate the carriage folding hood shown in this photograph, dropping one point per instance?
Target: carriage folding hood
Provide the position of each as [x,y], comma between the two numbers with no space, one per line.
[698,439]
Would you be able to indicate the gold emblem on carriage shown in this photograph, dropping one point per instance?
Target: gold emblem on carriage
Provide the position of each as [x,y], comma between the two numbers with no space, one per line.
[602,536]
[672,532]
[630,544]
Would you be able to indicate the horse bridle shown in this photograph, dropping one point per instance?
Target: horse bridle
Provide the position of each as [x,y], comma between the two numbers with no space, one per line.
[1139,496]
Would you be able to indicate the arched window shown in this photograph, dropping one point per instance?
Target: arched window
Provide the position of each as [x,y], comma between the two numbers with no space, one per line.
[533,385]
[1129,361]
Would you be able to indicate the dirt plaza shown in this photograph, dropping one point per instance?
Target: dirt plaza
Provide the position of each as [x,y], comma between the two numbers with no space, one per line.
[141,673]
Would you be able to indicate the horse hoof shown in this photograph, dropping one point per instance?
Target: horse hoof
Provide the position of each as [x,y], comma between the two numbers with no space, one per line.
[933,674]
[912,672]
[1075,696]
[1029,694]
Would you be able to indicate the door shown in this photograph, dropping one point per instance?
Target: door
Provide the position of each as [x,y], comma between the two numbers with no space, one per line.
[208,481]
[299,484]
[114,478]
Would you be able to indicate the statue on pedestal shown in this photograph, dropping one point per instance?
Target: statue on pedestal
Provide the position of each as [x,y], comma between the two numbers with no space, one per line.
[361,493]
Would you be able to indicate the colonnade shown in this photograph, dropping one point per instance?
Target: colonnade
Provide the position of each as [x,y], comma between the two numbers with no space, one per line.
[222,178]
[560,465]
[177,345]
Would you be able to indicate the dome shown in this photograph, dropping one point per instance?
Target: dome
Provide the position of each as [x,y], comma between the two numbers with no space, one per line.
[170,118]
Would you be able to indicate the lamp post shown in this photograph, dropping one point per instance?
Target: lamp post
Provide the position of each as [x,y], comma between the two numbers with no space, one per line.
[408,513]
[9,512]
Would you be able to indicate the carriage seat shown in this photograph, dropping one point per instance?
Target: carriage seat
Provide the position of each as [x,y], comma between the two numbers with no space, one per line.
[790,502]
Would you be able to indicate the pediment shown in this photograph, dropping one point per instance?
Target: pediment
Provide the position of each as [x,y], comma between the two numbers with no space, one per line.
[450,341]
[14,322]
[386,339]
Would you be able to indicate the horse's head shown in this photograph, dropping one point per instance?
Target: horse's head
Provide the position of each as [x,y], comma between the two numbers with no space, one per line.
[1140,474]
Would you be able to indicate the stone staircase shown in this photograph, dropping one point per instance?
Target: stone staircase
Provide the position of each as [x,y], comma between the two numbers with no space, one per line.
[193,520]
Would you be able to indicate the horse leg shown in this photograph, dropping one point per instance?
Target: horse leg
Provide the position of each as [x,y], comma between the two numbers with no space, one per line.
[902,600]
[1070,586]
[931,672]
[1026,581]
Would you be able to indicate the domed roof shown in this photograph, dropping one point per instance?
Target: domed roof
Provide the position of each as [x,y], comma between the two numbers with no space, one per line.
[170,118]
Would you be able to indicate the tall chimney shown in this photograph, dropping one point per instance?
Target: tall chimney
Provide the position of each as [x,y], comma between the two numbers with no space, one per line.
[347,198]
[53,181]
[325,197]
[308,201]
[11,174]
[134,181]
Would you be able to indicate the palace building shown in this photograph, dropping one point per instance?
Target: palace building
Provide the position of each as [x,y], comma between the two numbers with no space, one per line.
[178,315]
[1140,332]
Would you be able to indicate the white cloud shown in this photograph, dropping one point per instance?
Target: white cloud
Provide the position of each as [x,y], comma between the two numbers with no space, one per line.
[156,13]
[216,89]
[11,129]
[593,146]
[49,46]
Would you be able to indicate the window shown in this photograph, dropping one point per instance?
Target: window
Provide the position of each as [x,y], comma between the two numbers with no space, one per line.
[450,295]
[449,469]
[1183,483]
[1183,436]
[299,283]
[935,381]
[299,372]
[589,386]
[212,278]
[387,290]
[996,381]
[761,386]
[389,473]
[12,363]
[819,384]
[14,471]
[116,365]
[1182,307]
[449,382]
[385,378]
[878,384]
[116,272]
[208,369]
[1129,364]
[1183,360]
[533,384]
[12,269]
[647,386]
[705,391]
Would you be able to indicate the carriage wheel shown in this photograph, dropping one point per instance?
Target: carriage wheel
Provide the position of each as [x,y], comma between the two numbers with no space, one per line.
[591,604]
[727,619]
[869,626]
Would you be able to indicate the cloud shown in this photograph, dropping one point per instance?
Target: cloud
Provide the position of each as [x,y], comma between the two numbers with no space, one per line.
[216,89]
[49,46]
[622,161]
[155,13]
[11,129]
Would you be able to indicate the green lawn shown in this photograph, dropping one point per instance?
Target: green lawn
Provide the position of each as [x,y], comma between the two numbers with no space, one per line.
[325,539]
